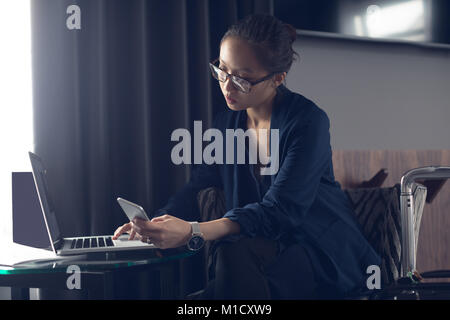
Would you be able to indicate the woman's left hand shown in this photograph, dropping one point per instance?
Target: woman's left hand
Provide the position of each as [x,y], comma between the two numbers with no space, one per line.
[164,232]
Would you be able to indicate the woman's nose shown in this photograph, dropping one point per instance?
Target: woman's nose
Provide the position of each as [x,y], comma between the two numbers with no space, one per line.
[228,85]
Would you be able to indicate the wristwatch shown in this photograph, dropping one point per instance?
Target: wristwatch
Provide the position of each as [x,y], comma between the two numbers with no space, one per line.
[197,241]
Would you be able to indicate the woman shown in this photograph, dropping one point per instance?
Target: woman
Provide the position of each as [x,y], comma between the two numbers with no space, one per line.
[287,235]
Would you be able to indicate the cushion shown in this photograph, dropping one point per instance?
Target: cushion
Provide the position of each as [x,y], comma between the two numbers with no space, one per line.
[378,213]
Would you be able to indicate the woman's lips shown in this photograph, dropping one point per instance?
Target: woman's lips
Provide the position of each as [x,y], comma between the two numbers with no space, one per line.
[230,100]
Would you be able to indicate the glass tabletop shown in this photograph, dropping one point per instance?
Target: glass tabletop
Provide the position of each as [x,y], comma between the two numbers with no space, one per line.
[97,262]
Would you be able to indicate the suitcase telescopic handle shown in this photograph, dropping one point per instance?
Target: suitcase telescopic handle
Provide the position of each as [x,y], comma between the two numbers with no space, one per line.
[408,211]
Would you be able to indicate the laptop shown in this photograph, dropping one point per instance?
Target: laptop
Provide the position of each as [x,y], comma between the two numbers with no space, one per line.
[77,245]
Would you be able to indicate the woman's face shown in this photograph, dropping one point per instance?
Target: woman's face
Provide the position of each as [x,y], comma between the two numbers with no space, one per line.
[237,58]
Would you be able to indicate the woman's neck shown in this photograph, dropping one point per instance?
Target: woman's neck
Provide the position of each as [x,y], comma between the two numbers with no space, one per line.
[260,116]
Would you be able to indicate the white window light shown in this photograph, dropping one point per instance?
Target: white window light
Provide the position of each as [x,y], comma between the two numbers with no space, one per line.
[16,125]
[395,19]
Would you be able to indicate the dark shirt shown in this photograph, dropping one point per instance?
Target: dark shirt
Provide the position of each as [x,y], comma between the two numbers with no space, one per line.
[301,203]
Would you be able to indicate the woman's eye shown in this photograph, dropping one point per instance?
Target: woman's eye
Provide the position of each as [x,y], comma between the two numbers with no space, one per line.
[245,77]
[242,76]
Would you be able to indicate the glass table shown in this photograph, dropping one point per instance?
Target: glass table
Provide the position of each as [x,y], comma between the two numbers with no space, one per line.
[147,274]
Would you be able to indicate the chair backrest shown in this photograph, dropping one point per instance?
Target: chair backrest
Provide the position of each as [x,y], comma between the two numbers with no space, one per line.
[211,202]
[378,213]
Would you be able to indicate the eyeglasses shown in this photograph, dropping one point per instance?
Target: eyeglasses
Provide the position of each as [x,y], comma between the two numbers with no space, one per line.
[240,84]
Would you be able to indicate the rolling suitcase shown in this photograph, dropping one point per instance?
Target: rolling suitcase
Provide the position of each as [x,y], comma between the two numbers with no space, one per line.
[411,284]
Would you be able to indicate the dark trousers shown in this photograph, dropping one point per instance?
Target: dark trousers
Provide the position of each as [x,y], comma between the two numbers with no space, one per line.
[254,268]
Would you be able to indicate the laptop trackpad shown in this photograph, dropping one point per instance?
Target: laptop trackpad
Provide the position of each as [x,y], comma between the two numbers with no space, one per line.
[123,241]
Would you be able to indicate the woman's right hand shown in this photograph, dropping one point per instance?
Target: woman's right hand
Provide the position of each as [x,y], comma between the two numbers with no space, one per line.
[126,228]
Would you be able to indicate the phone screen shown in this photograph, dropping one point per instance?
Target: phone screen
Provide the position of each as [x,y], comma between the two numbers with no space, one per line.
[132,210]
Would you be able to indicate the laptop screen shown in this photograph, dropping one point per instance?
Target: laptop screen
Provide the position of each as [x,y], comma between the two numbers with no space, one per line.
[40,179]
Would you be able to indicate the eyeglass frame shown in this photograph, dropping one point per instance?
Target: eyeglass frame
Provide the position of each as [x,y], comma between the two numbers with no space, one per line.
[231,76]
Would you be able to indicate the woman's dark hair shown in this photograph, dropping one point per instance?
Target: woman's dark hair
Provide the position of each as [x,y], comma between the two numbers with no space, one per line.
[271,38]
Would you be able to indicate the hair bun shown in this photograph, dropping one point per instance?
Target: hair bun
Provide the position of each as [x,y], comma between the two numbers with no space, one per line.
[271,39]
[292,31]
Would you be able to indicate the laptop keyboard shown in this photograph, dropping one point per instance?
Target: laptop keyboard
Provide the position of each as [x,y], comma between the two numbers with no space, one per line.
[91,242]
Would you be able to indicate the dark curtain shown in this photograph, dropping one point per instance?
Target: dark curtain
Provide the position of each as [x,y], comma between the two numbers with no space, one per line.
[108,96]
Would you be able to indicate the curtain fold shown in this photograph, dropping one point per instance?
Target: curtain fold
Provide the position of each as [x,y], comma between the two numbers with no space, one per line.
[107,97]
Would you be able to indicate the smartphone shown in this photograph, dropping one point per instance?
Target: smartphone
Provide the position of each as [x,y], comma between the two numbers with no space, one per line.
[132,210]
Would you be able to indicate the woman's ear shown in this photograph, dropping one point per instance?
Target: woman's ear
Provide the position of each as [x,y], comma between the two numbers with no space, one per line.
[278,79]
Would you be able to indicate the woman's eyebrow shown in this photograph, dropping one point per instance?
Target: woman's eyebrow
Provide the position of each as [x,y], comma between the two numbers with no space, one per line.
[238,70]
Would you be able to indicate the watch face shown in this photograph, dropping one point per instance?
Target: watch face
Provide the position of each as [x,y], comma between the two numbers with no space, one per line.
[196,243]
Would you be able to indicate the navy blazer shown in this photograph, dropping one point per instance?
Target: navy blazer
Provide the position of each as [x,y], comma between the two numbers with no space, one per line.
[303,202]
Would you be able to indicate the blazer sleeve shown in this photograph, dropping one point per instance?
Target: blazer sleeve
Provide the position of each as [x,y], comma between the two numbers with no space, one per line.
[293,191]
[184,203]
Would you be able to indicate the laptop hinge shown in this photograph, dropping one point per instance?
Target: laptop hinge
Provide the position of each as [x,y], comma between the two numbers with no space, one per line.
[58,244]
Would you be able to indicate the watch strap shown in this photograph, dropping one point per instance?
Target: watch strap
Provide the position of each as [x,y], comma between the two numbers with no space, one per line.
[196,228]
